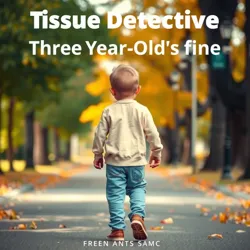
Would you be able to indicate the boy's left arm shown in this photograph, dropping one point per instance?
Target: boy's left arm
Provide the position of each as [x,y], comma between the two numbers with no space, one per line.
[152,136]
[101,133]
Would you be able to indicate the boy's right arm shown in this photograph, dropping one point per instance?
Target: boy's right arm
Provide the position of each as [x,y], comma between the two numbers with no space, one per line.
[101,133]
[153,138]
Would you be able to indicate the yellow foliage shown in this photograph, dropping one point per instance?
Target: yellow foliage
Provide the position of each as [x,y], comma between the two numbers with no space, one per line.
[3,140]
[156,95]
[79,72]
[238,57]
[184,100]
[99,86]
[25,61]
[93,113]
[149,3]
[154,70]
[238,75]
[3,27]
[208,114]
[52,83]
[240,19]
[186,4]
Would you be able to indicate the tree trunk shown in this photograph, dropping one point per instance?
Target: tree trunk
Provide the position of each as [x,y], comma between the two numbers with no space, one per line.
[246,174]
[219,82]
[68,150]
[247,160]
[41,145]
[172,142]
[56,145]
[45,135]
[10,151]
[1,172]
[217,134]
[238,139]
[176,141]
[186,159]
[165,151]
[29,139]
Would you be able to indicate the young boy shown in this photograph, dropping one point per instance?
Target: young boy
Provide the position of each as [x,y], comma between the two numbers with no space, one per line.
[123,128]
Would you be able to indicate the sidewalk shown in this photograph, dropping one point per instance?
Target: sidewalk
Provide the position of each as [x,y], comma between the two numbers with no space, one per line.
[233,188]
[207,181]
[14,183]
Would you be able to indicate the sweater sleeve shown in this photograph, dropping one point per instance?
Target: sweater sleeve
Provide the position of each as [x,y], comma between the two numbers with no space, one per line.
[152,135]
[101,133]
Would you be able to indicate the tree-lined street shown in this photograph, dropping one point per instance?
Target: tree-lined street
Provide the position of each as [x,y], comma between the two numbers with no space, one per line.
[50,105]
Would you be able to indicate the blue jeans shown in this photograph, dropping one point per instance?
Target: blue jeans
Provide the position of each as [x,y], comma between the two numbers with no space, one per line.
[123,181]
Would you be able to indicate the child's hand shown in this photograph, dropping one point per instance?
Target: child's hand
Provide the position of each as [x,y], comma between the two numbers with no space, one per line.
[98,163]
[154,162]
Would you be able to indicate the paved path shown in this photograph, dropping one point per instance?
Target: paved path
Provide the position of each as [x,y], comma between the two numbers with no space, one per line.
[80,204]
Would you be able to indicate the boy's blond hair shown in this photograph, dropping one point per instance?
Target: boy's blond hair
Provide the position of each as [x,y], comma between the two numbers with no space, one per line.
[124,79]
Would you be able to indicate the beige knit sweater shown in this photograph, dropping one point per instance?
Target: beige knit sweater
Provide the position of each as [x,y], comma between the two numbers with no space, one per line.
[122,131]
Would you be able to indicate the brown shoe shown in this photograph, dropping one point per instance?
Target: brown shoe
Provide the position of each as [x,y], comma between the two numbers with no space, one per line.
[116,234]
[139,229]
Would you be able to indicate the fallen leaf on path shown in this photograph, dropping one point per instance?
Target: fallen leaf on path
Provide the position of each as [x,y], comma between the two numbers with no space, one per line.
[240,231]
[22,227]
[33,225]
[215,236]
[219,196]
[248,217]
[214,217]
[3,214]
[157,228]
[247,223]
[245,204]
[167,221]
[238,219]
[223,218]
[12,215]
[205,211]
[62,226]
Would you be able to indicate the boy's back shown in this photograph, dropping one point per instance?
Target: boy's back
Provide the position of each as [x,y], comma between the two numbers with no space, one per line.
[128,124]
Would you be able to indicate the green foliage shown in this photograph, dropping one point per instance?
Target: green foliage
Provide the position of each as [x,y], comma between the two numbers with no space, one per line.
[20,71]
[65,113]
